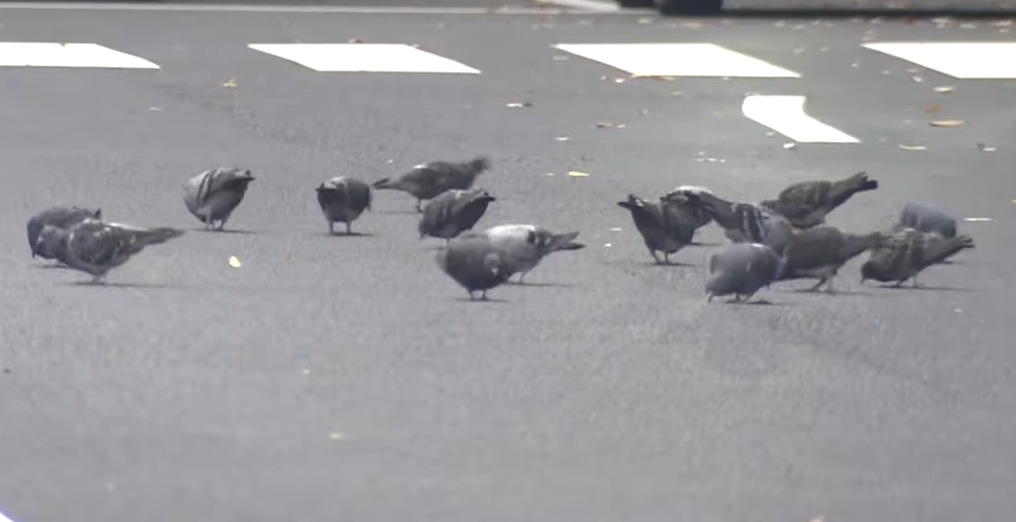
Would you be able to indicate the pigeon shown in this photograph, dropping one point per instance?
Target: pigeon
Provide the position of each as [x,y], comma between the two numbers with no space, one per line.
[927,218]
[700,217]
[665,226]
[59,217]
[742,269]
[744,222]
[806,204]
[820,252]
[96,247]
[429,180]
[474,263]
[524,246]
[906,252]
[213,195]
[453,212]
[343,199]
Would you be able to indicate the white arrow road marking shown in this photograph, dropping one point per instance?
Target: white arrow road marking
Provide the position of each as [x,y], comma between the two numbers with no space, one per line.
[964,60]
[785,115]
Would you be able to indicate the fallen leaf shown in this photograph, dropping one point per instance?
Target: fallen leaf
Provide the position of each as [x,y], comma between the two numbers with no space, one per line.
[932,109]
[978,220]
[1002,23]
[985,148]
[945,88]
[560,58]
[606,245]
[551,174]
[516,105]
[155,109]
[355,40]
[913,147]
[618,80]
[618,229]
[917,79]
[231,83]
[947,123]
[677,94]
[789,145]
[562,138]
[415,46]
[1014,202]
[234,262]
[645,20]
[604,125]
[577,174]
[336,436]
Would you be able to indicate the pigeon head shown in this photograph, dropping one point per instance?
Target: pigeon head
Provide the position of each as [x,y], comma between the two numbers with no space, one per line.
[51,240]
[479,164]
[483,195]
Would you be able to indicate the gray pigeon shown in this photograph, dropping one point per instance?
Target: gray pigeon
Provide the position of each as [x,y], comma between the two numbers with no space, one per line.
[924,217]
[744,222]
[429,180]
[906,252]
[474,263]
[699,217]
[59,217]
[95,247]
[742,269]
[806,204]
[343,199]
[820,252]
[213,195]
[524,246]
[665,226]
[453,212]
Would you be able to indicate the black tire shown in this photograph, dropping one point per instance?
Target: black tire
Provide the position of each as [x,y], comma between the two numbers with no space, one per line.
[688,7]
[635,3]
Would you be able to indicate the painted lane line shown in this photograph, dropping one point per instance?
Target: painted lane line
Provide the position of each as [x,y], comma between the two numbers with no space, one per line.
[678,59]
[963,60]
[52,54]
[229,8]
[587,5]
[364,58]
[785,115]
[4,518]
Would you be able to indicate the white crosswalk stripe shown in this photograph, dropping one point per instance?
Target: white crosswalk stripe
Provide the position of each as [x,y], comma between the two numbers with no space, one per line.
[678,59]
[963,60]
[50,54]
[363,57]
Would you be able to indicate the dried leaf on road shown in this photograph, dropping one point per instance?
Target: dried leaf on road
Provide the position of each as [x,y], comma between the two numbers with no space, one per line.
[604,125]
[516,105]
[789,145]
[231,83]
[354,40]
[913,147]
[234,262]
[932,109]
[985,148]
[945,88]
[978,220]
[947,123]
[336,436]
[562,138]
[577,174]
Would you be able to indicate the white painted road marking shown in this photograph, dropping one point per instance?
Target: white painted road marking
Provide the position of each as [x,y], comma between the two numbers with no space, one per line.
[230,8]
[52,54]
[4,518]
[964,60]
[588,5]
[785,115]
[364,58]
[678,59]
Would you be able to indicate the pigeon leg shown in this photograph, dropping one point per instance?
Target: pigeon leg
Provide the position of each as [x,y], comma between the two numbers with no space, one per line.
[900,283]
[97,278]
[522,277]
[816,286]
[666,258]
[447,241]
[655,257]
[483,295]
[913,282]
[709,297]
[349,228]
[471,296]
[419,205]
[331,227]
[829,286]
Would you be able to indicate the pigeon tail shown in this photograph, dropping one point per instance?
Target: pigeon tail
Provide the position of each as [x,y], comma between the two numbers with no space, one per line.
[855,245]
[842,190]
[939,251]
[155,236]
[565,241]
[386,184]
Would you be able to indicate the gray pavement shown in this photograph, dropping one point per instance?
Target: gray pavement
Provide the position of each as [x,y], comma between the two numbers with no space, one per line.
[336,378]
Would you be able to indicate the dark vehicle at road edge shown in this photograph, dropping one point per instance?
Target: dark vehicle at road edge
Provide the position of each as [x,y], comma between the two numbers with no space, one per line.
[677,7]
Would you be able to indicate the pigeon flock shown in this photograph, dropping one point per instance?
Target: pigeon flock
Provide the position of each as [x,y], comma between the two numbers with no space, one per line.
[780,239]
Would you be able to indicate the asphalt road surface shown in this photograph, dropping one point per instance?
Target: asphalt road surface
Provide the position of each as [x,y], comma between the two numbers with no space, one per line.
[347,378]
